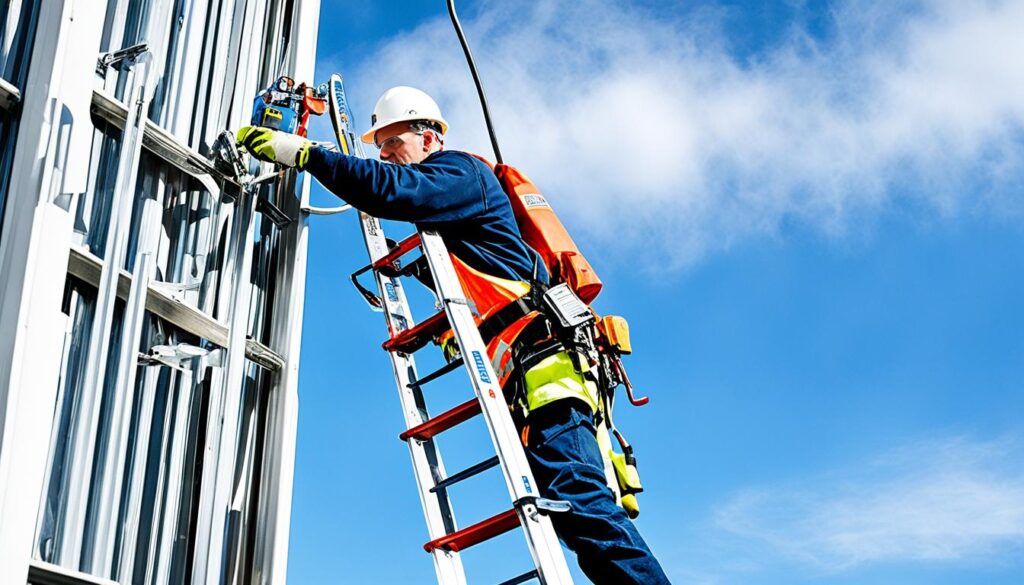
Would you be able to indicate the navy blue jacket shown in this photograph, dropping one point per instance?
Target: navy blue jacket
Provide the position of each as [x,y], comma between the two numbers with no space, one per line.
[451,192]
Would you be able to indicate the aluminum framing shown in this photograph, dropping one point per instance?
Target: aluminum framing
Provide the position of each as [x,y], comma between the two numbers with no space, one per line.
[40,251]
[85,266]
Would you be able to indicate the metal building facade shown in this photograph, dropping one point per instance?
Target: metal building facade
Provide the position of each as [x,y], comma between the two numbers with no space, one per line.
[150,310]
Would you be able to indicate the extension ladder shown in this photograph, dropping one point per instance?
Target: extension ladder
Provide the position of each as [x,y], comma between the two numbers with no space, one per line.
[528,510]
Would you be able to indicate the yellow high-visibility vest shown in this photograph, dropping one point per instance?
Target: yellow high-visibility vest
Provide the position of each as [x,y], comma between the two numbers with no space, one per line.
[555,378]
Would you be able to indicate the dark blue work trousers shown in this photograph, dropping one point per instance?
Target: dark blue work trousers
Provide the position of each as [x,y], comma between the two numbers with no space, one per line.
[567,465]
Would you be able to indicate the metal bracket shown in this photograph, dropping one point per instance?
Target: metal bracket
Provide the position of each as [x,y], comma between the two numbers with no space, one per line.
[176,290]
[227,159]
[557,506]
[534,507]
[462,301]
[175,356]
[121,58]
[272,212]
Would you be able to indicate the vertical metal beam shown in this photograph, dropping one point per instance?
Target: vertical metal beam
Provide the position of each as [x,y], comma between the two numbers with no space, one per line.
[145,71]
[115,451]
[274,515]
[185,69]
[114,251]
[159,489]
[133,506]
[274,519]
[171,461]
[223,431]
[33,261]
[279,459]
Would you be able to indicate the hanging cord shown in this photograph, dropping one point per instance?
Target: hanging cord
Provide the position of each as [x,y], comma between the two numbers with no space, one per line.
[476,79]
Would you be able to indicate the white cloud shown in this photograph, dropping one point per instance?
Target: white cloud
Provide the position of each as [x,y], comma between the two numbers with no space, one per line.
[650,133]
[950,501]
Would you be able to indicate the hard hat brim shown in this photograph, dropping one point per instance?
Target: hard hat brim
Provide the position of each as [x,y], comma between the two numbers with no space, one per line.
[367,136]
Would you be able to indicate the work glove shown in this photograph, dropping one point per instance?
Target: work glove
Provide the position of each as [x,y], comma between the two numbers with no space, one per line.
[290,150]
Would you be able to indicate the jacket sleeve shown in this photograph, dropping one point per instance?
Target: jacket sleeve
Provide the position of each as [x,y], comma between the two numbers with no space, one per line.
[446,188]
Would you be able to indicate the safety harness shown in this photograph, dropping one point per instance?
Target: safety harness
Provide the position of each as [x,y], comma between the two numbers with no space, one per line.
[594,348]
[548,332]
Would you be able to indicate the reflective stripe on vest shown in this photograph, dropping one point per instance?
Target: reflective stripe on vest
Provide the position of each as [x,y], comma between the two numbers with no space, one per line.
[555,378]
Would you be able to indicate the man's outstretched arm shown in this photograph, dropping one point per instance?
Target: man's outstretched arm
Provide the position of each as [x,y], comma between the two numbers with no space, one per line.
[444,190]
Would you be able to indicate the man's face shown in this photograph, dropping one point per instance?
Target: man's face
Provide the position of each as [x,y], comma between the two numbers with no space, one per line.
[400,145]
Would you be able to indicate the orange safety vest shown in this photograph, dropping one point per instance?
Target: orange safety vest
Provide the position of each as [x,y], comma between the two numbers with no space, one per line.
[489,295]
[542,231]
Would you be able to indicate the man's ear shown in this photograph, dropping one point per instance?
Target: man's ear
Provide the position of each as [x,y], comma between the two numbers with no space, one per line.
[429,138]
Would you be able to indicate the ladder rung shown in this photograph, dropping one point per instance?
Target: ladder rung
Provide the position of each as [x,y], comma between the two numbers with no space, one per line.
[479,532]
[413,339]
[398,251]
[447,368]
[466,473]
[443,421]
[527,576]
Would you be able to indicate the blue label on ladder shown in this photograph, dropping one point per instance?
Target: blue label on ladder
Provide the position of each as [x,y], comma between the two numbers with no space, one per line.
[390,289]
[481,369]
[526,484]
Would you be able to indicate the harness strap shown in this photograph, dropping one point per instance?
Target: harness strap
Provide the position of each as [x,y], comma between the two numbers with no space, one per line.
[492,326]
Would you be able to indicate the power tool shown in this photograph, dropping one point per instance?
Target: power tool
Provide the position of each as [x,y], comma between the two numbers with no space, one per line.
[286,107]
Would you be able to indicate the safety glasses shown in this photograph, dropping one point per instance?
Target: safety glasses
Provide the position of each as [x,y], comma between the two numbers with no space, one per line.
[395,141]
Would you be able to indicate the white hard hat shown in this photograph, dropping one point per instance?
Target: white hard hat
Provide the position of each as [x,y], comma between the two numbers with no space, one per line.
[403,104]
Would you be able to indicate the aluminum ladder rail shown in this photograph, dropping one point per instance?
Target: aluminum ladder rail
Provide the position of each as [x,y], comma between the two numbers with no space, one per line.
[527,509]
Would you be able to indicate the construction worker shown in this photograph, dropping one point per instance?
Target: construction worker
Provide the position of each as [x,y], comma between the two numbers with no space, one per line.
[457,195]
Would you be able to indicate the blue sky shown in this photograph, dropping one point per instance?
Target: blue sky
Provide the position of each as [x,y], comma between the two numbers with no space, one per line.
[809,212]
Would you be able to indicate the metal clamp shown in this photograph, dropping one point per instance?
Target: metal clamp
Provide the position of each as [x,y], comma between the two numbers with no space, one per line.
[121,58]
[179,356]
[534,507]
[227,159]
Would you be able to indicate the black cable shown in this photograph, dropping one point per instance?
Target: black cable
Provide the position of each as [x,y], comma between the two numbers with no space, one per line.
[476,79]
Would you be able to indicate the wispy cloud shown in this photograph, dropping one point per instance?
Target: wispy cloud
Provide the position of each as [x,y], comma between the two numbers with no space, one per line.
[651,132]
[949,501]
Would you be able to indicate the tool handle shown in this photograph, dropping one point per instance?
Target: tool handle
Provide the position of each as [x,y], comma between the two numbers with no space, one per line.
[629,387]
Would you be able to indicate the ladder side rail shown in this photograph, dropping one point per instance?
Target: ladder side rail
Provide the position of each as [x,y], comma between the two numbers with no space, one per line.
[537,528]
[428,467]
